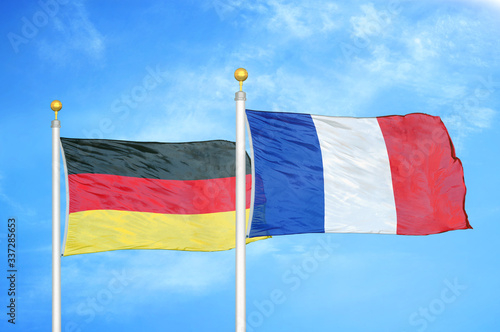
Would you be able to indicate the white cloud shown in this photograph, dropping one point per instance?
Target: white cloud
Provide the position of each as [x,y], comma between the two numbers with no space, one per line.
[422,48]
[77,35]
[467,120]
[292,18]
[191,106]
[373,22]
[301,21]
[480,117]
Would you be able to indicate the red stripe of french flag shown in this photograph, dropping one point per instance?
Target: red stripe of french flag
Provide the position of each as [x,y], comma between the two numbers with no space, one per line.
[391,175]
[427,177]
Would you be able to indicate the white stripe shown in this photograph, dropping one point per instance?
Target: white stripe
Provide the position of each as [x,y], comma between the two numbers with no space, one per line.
[359,197]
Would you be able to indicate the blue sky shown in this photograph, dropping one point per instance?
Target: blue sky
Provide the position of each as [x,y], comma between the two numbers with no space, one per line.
[163,71]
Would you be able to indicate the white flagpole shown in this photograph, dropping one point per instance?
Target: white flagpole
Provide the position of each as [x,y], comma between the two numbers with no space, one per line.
[56,221]
[240,74]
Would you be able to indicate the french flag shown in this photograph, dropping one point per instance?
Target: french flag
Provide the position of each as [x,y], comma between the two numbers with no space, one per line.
[385,175]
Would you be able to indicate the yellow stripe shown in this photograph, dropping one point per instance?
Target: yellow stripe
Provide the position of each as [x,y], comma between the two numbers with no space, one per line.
[105,230]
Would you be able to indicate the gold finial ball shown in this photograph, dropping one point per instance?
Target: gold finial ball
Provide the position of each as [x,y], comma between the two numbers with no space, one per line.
[56,105]
[241,74]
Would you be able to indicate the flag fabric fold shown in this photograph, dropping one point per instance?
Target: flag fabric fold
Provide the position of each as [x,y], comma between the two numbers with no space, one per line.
[149,195]
[320,174]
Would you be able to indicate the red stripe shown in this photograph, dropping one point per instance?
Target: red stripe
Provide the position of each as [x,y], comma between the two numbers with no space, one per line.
[427,177]
[114,192]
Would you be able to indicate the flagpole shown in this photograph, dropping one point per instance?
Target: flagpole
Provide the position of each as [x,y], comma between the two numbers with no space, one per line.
[240,74]
[56,220]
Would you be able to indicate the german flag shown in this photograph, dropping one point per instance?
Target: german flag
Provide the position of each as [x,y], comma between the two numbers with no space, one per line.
[149,195]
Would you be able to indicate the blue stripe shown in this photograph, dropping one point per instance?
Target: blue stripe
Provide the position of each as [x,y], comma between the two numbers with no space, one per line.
[289,186]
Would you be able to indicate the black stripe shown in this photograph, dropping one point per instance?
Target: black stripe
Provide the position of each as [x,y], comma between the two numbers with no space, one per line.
[169,161]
